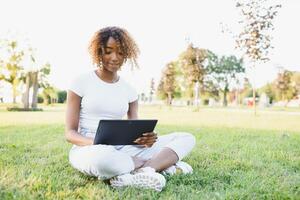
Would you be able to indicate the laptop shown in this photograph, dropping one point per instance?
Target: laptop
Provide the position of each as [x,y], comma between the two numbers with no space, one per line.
[122,132]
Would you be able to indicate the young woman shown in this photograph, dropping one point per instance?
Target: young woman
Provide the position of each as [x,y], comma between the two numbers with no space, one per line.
[103,94]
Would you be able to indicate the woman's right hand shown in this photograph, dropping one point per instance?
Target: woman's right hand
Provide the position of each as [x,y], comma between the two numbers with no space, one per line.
[147,140]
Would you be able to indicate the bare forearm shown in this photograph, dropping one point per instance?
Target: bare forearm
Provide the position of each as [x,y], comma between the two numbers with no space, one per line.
[74,137]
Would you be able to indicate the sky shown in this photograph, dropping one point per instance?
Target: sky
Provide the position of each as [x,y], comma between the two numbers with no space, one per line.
[61,31]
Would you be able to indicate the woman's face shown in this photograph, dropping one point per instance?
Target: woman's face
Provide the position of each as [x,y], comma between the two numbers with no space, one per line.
[113,57]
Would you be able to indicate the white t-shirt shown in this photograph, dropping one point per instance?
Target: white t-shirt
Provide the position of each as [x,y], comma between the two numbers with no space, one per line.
[101,100]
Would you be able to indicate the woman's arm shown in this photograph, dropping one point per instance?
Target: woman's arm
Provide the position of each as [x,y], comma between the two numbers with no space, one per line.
[133,110]
[72,120]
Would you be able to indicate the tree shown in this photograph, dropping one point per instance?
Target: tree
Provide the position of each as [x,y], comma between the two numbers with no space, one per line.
[161,94]
[49,95]
[167,84]
[295,81]
[28,75]
[34,76]
[254,40]
[270,91]
[285,87]
[286,91]
[10,59]
[223,71]
[191,63]
[152,89]
[18,65]
[40,80]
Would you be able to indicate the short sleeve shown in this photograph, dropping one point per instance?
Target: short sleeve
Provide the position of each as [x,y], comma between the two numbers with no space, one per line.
[133,96]
[77,86]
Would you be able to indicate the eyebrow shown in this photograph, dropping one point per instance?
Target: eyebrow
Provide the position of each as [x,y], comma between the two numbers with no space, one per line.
[109,48]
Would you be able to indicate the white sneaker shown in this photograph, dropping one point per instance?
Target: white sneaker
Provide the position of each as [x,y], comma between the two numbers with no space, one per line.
[143,178]
[178,168]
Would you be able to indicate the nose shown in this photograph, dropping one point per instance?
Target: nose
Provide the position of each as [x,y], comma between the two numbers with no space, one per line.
[114,56]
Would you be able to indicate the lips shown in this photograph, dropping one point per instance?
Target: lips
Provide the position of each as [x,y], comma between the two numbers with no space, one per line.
[114,64]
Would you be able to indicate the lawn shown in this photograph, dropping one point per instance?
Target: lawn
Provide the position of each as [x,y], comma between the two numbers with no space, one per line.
[237,156]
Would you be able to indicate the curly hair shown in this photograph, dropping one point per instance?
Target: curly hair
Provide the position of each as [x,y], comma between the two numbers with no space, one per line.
[127,45]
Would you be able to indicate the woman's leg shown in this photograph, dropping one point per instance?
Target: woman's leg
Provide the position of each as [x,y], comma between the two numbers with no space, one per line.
[164,159]
[102,161]
[168,150]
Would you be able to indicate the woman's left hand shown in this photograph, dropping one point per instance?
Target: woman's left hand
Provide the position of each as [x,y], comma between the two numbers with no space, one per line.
[147,140]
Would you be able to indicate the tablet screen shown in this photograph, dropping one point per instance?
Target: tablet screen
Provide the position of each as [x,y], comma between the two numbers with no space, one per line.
[122,132]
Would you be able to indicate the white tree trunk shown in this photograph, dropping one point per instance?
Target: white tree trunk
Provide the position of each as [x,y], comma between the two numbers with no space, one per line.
[35,89]
[26,94]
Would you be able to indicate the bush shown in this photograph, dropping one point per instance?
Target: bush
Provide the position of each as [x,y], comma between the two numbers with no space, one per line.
[62,96]
[40,99]
[205,102]
[17,109]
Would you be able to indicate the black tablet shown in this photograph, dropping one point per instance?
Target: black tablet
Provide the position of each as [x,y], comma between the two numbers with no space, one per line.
[122,132]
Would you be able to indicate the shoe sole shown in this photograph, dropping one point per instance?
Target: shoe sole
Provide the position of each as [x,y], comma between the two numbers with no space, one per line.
[142,180]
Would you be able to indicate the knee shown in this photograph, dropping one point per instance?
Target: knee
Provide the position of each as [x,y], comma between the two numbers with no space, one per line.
[188,138]
[107,165]
[96,161]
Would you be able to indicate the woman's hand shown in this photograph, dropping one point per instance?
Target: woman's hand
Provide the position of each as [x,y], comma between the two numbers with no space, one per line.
[147,140]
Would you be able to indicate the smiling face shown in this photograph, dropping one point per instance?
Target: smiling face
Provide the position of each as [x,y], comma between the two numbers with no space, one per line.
[112,57]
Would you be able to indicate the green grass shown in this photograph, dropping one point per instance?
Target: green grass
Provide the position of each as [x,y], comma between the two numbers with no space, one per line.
[237,156]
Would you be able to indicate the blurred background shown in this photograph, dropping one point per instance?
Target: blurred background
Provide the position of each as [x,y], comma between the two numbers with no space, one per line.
[193,53]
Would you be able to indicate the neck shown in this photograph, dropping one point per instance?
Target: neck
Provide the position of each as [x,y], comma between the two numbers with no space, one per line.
[107,76]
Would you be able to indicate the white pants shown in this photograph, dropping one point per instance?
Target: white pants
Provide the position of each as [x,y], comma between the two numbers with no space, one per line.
[106,161]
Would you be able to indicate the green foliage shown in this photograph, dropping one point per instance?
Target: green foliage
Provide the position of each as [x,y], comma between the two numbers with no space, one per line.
[10,65]
[210,90]
[61,96]
[40,99]
[223,71]
[191,63]
[295,81]
[18,109]
[284,88]
[161,94]
[49,94]
[269,89]
[201,66]
[43,75]
[167,85]
[12,70]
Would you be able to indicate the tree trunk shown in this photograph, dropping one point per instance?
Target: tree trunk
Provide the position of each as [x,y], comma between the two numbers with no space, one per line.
[26,94]
[35,89]
[225,96]
[14,88]
[254,90]
[45,99]
[254,100]
[169,98]
[196,94]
